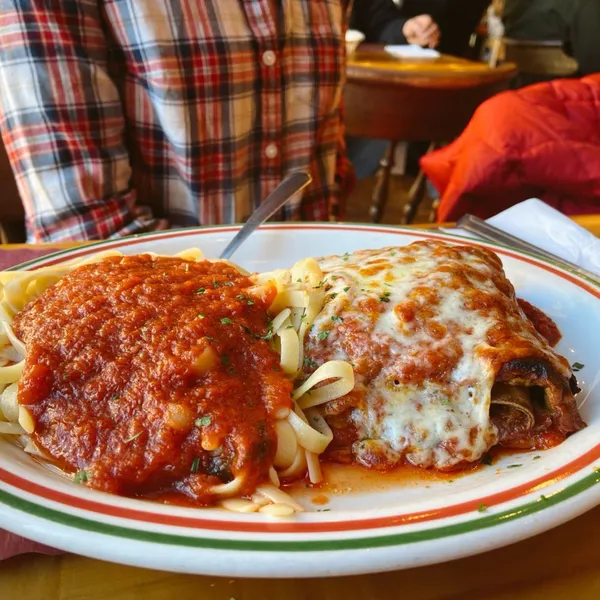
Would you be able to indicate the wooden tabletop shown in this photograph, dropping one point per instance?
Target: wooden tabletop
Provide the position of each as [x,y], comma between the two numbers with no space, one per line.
[372,63]
[562,563]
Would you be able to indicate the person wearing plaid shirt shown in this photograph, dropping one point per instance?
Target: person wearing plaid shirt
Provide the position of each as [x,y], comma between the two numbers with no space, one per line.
[124,116]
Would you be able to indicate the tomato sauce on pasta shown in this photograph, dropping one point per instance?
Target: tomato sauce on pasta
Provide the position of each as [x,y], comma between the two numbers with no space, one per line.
[153,375]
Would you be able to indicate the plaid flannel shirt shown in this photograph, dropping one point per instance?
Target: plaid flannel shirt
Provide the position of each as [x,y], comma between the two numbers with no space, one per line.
[123,116]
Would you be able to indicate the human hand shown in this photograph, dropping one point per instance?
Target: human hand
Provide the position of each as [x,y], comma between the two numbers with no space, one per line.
[422,30]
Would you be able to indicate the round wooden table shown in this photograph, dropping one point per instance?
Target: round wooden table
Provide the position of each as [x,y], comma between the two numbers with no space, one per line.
[414,99]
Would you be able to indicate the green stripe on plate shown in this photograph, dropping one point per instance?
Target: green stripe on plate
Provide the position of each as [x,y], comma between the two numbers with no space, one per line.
[399,539]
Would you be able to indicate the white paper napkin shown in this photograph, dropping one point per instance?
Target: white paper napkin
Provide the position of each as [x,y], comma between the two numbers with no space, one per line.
[411,51]
[540,224]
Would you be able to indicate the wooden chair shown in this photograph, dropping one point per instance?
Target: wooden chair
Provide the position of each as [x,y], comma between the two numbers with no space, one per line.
[413,100]
[12,215]
[545,59]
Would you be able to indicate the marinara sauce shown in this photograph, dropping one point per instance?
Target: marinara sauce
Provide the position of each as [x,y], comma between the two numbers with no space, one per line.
[151,376]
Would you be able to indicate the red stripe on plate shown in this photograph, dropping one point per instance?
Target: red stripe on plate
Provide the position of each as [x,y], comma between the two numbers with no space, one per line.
[294,527]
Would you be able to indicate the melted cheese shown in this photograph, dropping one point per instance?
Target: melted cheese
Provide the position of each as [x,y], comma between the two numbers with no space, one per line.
[415,322]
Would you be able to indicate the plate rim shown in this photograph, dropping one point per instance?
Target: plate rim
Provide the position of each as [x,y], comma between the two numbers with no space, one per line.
[340,544]
[274,225]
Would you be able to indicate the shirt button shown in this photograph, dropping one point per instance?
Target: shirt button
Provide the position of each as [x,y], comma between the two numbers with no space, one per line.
[269,58]
[271,151]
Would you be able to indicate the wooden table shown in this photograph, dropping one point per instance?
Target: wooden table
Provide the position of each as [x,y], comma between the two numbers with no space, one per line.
[401,99]
[562,563]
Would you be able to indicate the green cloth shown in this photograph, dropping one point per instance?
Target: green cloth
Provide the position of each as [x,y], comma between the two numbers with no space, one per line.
[575,22]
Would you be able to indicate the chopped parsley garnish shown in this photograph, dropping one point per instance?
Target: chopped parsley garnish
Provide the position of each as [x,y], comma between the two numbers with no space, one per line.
[290,327]
[445,401]
[482,507]
[332,296]
[392,254]
[203,421]
[323,335]
[270,333]
[134,437]
[144,329]
[486,460]
[200,290]
[229,283]
[514,466]
[81,477]
[346,256]
[195,465]
[336,319]
[242,297]
[319,285]
[227,362]
[309,362]
[201,315]
[226,321]
[346,288]
[299,280]
[577,366]
[536,457]
[114,397]
[216,284]
[384,299]
[210,339]
[387,294]
[323,510]
[334,277]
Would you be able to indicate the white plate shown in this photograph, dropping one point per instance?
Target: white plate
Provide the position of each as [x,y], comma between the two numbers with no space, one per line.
[390,527]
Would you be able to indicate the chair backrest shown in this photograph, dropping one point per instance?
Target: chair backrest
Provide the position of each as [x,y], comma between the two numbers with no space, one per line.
[544,58]
[12,215]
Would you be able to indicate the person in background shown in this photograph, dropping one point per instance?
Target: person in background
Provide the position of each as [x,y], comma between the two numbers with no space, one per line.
[574,22]
[131,116]
[457,20]
[383,22]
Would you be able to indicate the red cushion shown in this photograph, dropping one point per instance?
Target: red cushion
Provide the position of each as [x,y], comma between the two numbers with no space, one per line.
[541,141]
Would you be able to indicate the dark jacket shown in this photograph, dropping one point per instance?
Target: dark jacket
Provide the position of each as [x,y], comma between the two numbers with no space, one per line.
[574,22]
[457,20]
[380,21]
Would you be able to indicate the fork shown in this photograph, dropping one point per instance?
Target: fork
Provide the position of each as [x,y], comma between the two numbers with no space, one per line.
[489,232]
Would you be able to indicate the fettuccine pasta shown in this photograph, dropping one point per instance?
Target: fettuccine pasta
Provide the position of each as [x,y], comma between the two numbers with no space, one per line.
[301,432]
